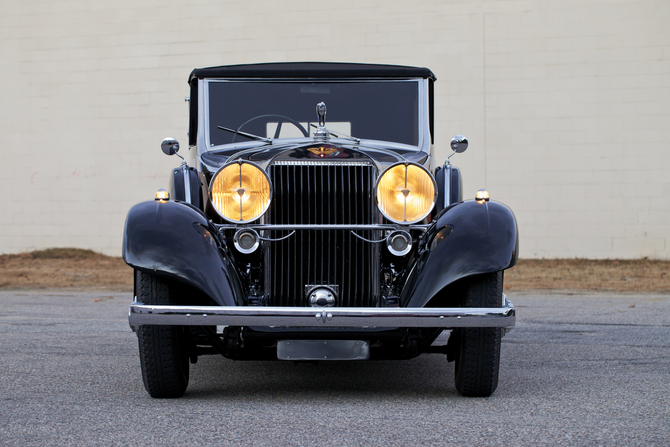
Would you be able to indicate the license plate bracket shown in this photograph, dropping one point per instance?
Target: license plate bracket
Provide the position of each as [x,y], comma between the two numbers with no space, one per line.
[323,350]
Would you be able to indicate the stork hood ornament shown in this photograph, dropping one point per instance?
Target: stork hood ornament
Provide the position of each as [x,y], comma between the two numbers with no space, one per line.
[321,133]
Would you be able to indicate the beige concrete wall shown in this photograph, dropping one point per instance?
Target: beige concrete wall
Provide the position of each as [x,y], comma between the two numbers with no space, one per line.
[566,105]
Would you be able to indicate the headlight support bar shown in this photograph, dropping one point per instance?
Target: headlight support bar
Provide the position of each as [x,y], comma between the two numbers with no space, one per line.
[328,227]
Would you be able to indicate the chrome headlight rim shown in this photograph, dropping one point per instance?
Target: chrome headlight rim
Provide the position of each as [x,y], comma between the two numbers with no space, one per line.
[406,164]
[240,162]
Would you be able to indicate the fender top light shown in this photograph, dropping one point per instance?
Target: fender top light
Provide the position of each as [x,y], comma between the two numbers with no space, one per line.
[482,196]
[162,196]
[240,192]
[406,193]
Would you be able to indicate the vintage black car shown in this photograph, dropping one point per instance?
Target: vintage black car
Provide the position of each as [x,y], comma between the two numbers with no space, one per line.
[310,221]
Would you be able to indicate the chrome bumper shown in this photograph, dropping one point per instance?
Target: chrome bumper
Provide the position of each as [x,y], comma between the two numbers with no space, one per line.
[333,317]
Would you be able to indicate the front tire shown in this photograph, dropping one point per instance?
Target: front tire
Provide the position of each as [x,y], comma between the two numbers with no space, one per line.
[478,357]
[163,349]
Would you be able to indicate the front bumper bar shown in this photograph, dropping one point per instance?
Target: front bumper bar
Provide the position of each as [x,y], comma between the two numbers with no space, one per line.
[334,317]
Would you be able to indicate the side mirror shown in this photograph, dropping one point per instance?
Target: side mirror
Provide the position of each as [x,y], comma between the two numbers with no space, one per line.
[170,146]
[459,143]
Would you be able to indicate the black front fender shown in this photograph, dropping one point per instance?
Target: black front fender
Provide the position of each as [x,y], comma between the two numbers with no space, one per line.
[468,238]
[176,240]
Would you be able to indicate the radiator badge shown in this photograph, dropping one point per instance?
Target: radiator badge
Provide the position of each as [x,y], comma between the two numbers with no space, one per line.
[322,297]
[322,152]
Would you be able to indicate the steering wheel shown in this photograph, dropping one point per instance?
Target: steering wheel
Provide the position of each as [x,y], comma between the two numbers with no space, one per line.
[284,119]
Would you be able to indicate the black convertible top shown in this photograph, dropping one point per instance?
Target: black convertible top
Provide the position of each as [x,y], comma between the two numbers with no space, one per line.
[315,70]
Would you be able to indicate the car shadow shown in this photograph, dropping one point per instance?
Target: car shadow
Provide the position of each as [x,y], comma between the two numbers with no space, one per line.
[428,376]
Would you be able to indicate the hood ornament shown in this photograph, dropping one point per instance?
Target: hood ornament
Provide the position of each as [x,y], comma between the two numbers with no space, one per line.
[321,133]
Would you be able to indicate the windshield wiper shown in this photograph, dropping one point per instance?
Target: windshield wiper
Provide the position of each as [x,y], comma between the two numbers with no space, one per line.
[244,134]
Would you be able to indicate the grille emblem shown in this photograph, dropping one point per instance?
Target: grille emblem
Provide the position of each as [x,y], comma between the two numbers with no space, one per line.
[322,152]
[320,296]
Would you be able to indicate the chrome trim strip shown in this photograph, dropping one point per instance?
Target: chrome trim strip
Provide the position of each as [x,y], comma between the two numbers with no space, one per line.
[187,184]
[447,185]
[334,317]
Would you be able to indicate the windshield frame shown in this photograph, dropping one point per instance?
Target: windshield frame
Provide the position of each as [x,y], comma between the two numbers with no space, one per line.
[423,125]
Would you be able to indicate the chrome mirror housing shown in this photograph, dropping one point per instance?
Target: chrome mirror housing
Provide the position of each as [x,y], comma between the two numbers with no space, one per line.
[459,144]
[170,146]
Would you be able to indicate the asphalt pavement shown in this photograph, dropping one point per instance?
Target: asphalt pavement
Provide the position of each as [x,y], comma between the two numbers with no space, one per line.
[577,370]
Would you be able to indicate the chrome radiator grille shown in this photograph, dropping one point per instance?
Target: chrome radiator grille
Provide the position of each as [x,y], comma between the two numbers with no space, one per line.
[322,193]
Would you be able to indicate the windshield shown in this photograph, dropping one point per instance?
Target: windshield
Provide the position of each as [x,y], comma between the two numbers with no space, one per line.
[376,110]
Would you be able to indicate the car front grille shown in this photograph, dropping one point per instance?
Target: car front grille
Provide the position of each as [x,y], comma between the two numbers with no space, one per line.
[322,193]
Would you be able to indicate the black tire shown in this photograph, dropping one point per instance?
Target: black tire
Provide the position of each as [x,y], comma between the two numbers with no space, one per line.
[163,349]
[478,357]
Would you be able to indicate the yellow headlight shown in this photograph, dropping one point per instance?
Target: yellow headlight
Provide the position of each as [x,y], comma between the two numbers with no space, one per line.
[240,192]
[406,193]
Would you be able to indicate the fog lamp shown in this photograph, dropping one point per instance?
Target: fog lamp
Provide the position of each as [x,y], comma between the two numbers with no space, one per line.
[162,196]
[482,196]
[399,243]
[246,241]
